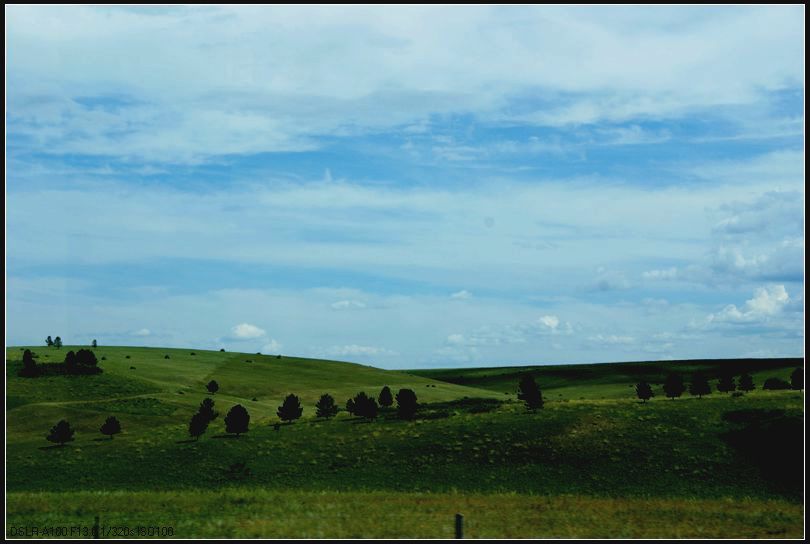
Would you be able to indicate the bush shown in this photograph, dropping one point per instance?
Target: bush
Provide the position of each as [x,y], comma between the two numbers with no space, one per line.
[166,357]
[775,384]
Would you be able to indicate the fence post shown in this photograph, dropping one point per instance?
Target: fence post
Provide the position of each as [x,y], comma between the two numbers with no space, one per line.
[96,529]
[459,526]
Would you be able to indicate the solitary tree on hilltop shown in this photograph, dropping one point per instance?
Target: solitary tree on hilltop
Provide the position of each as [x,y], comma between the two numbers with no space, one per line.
[212,387]
[197,425]
[61,433]
[111,426]
[746,383]
[49,341]
[237,420]
[290,409]
[406,403]
[326,406]
[95,344]
[699,386]
[57,342]
[386,399]
[644,391]
[529,392]
[797,379]
[673,386]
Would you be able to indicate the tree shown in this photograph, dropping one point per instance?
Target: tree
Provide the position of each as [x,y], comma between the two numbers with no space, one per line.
[699,386]
[237,420]
[197,425]
[85,358]
[95,344]
[529,392]
[57,342]
[29,368]
[673,386]
[207,410]
[290,409]
[326,406]
[406,403]
[797,379]
[350,407]
[386,398]
[726,382]
[49,341]
[212,387]
[111,426]
[746,382]
[365,406]
[61,433]
[70,362]
[644,391]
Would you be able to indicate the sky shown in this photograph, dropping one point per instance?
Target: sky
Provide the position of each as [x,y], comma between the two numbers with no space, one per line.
[408,187]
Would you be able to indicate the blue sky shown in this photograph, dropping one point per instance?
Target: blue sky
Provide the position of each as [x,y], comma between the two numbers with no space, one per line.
[408,187]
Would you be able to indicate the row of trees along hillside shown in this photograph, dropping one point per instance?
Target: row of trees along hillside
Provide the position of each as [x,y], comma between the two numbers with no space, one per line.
[57,342]
[83,361]
[674,385]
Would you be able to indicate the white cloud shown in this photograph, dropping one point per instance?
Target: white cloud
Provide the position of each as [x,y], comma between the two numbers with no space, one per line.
[347,305]
[246,331]
[355,350]
[611,339]
[142,332]
[272,347]
[461,295]
[550,321]
[767,302]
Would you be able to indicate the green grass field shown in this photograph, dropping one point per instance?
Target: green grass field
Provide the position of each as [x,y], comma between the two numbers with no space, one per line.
[594,462]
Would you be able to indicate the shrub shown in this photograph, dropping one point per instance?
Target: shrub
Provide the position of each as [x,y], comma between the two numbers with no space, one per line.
[775,384]
[166,357]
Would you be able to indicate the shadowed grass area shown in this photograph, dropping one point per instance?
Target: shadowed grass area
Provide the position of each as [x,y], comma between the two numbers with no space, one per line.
[246,513]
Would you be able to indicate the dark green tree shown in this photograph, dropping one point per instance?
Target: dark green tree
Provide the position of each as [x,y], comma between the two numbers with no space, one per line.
[365,406]
[290,409]
[797,379]
[57,342]
[212,387]
[350,406]
[49,341]
[386,399]
[726,383]
[197,425]
[237,420]
[406,404]
[86,359]
[61,433]
[207,410]
[644,391]
[776,384]
[673,386]
[326,406]
[699,386]
[111,426]
[746,382]
[529,392]
[70,362]
[95,344]
[29,368]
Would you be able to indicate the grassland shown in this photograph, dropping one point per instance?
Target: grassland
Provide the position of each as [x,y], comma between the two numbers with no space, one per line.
[587,465]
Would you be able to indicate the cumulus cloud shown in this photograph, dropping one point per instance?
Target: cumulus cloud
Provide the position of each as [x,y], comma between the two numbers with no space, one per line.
[461,295]
[766,303]
[246,331]
[550,321]
[272,347]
